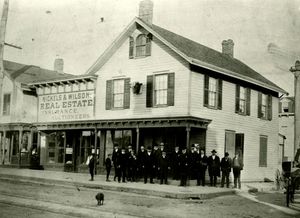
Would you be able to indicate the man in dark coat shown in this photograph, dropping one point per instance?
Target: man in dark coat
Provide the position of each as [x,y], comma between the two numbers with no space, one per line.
[123,165]
[115,157]
[155,160]
[226,169]
[108,166]
[163,168]
[141,161]
[132,166]
[91,164]
[213,168]
[149,166]
[193,159]
[201,163]
[176,163]
[184,167]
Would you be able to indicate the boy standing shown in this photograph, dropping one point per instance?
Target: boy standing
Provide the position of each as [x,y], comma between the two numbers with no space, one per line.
[108,167]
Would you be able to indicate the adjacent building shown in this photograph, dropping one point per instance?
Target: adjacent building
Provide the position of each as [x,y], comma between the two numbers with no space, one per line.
[150,86]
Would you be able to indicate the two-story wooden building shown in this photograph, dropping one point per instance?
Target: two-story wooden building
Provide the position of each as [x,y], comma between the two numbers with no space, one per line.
[150,86]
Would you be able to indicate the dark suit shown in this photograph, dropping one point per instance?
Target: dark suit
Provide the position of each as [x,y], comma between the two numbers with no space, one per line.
[163,169]
[213,169]
[176,165]
[149,167]
[225,168]
[184,168]
[115,159]
[141,162]
[123,166]
[201,165]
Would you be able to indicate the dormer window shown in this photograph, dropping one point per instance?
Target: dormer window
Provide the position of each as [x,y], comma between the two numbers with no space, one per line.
[140,47]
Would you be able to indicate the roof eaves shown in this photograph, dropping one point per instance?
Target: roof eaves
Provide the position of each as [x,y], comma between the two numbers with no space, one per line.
[236,75]
[63,79]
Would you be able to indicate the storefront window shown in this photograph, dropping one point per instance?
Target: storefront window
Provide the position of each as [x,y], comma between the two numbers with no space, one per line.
[60,147]
[51,147]
[122,137]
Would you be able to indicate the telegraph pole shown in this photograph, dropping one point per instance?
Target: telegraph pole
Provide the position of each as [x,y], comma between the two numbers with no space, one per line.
[296,71]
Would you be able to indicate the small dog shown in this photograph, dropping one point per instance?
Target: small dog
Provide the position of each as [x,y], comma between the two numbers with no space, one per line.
[100,198]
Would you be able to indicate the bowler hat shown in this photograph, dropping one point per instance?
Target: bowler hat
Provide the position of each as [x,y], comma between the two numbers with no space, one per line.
[226,154]
[214,151]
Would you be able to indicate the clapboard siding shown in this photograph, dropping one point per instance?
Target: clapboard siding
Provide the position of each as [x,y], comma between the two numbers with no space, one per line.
[6,88]
[162,60]
[251,126]
[286,127]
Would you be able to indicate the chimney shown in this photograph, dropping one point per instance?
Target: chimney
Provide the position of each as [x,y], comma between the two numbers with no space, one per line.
[59,65]
[146,11]
[227,47]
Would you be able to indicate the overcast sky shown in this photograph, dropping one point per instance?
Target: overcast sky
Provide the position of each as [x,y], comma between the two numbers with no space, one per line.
[266,33]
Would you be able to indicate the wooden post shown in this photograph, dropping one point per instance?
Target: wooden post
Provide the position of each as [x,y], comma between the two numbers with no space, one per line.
[296,71]
[95,154]
[4,147]
[20,146]
[137,139]
[188,130]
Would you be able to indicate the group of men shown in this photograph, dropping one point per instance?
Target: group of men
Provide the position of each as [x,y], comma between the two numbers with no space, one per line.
[152,163]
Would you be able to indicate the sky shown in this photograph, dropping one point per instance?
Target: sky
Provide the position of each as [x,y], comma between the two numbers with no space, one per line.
[266,34]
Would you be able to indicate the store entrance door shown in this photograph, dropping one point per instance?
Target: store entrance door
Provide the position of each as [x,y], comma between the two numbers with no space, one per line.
[72,150]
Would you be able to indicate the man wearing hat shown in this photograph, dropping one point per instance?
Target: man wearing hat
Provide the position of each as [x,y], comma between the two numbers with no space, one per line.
[201,164]
[149,166]
[226,169]
[141,161]
[213,167]
[116,160]
[163,168]
[176,163]
[184,167]
[193,159]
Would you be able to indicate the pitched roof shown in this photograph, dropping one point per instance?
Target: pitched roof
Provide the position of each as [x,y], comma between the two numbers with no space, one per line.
[205,54]
[29,74]
[194,53]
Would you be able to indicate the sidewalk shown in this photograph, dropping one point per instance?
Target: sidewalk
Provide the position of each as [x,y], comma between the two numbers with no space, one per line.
[82,180]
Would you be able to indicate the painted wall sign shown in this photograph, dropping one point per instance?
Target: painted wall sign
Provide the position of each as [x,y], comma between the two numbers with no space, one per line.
[66,106]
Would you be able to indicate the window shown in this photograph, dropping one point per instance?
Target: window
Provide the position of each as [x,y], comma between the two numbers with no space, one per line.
[6,104]
[142,46]
[212,92]
[264,106]
[263,148]
[56,148]
[118,93]
[160,90]
[242,102]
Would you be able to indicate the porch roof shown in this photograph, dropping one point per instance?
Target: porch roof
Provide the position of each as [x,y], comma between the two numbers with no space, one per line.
[157,122]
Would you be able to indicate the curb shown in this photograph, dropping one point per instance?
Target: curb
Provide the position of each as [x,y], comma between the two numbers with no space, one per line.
[142,191]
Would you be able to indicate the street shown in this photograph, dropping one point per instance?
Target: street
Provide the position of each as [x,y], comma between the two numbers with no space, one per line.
[22,199]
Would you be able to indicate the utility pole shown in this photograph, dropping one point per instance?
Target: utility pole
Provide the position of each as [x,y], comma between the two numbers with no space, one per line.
[296,71]
[2,70]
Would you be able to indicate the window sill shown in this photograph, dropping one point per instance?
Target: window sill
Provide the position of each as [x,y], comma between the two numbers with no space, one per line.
[211,107]
[160,106]
[139,57]
[242,114]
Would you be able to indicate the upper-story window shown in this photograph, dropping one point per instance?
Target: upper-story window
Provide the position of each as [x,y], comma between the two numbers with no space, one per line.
[141,46]
[6,104]
[286,106]
[264,106]
[160,90]
[118,93]
[242,100]
[212,92]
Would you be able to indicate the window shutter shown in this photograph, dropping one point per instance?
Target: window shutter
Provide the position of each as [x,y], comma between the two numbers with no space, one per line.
[108,94]
[248,101]
[206,86]
[270,110]
[149,92]
[237,99]
[131,47]
[127,93]
[280,107]
[259,105]
[171,85]
[148,45]
[220,90]
[291,107]
[263,151]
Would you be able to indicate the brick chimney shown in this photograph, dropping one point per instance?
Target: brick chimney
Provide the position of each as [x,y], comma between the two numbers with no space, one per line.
[59,65]
[146,11]
[227,47]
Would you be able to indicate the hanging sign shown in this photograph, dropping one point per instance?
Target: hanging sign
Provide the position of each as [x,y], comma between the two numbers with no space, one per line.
[66,106]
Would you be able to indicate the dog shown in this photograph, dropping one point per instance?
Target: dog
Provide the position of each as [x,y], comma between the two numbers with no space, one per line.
[100,198]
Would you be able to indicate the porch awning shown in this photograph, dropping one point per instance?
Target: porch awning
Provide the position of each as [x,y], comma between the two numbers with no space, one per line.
[161,122]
